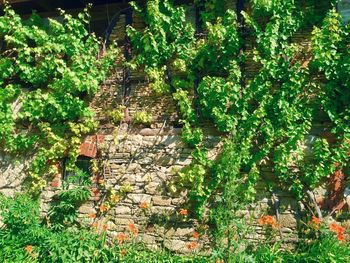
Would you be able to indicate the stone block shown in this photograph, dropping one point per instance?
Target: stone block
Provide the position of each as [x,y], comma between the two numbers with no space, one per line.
[161,200]
[122,210]
[87,209]
[183,232]
[152,188]
[139,198]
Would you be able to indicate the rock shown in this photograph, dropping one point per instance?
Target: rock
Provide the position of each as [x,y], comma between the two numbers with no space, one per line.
[120,156]
[288,221]
[162,210]
[182,232]
[161,200]
[2,181]
[165,160]
[178,201]
[149,132]
[133,167]
[175,245]
[148,239]
[123,221]
[122,210]
[85,209]
[138,198]
[8,192]
[171,141]
[151,188]
[47,195]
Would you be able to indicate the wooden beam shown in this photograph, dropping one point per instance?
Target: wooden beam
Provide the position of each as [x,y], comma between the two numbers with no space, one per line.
[13,1]
[97,12]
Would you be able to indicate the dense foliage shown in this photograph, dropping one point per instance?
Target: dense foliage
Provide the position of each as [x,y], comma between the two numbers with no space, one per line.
[25,238]
[49,72]
[265,117]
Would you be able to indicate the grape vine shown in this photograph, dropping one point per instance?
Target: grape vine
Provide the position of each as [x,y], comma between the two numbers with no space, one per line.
[49,73]
[264,118]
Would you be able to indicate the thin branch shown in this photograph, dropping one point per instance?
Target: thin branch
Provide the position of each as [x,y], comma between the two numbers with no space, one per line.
[313,200]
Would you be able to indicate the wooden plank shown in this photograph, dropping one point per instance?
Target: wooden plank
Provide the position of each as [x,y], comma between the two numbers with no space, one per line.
[14,1]
[98,12]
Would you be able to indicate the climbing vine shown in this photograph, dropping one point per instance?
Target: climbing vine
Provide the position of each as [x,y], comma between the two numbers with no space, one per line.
[264,117]
[49,72]
[164,45]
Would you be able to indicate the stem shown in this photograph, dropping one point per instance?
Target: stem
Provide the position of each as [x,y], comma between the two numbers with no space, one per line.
[313,200]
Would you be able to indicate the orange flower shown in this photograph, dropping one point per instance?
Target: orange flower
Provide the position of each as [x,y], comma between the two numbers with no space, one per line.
[95,191]
[144,205]
[192,245]
[121,238]
[316,220]
[104,227]
[219,261]
[103,208]
[92,216]
[195,235]
[340,237]
[334,227]
[95,225]
[133,229]
[183,212]
[55,184]
[29,248]
[123,252]
[337,229]
[267,221]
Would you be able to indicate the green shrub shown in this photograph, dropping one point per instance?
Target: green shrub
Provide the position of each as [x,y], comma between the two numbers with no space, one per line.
[25,238]
[142,117]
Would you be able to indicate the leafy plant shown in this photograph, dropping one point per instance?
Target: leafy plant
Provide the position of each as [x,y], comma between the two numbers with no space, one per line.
[164,45]
[117,115]
[264,117]
[50,71]
[142,117]
[24,238]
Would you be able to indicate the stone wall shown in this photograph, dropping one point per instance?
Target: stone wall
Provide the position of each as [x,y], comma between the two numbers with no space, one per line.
[136,165]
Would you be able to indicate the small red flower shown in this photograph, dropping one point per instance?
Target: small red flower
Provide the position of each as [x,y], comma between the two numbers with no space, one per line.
[123,252]
[337,229]
[192,245]
[55,184]
[103,208]
[121,238]
[104,227]
[95,191]
[316,220]
[133,229]
[195,235]
[29,248]
[144,205]
[93,216]
[183,212]
[267,221]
